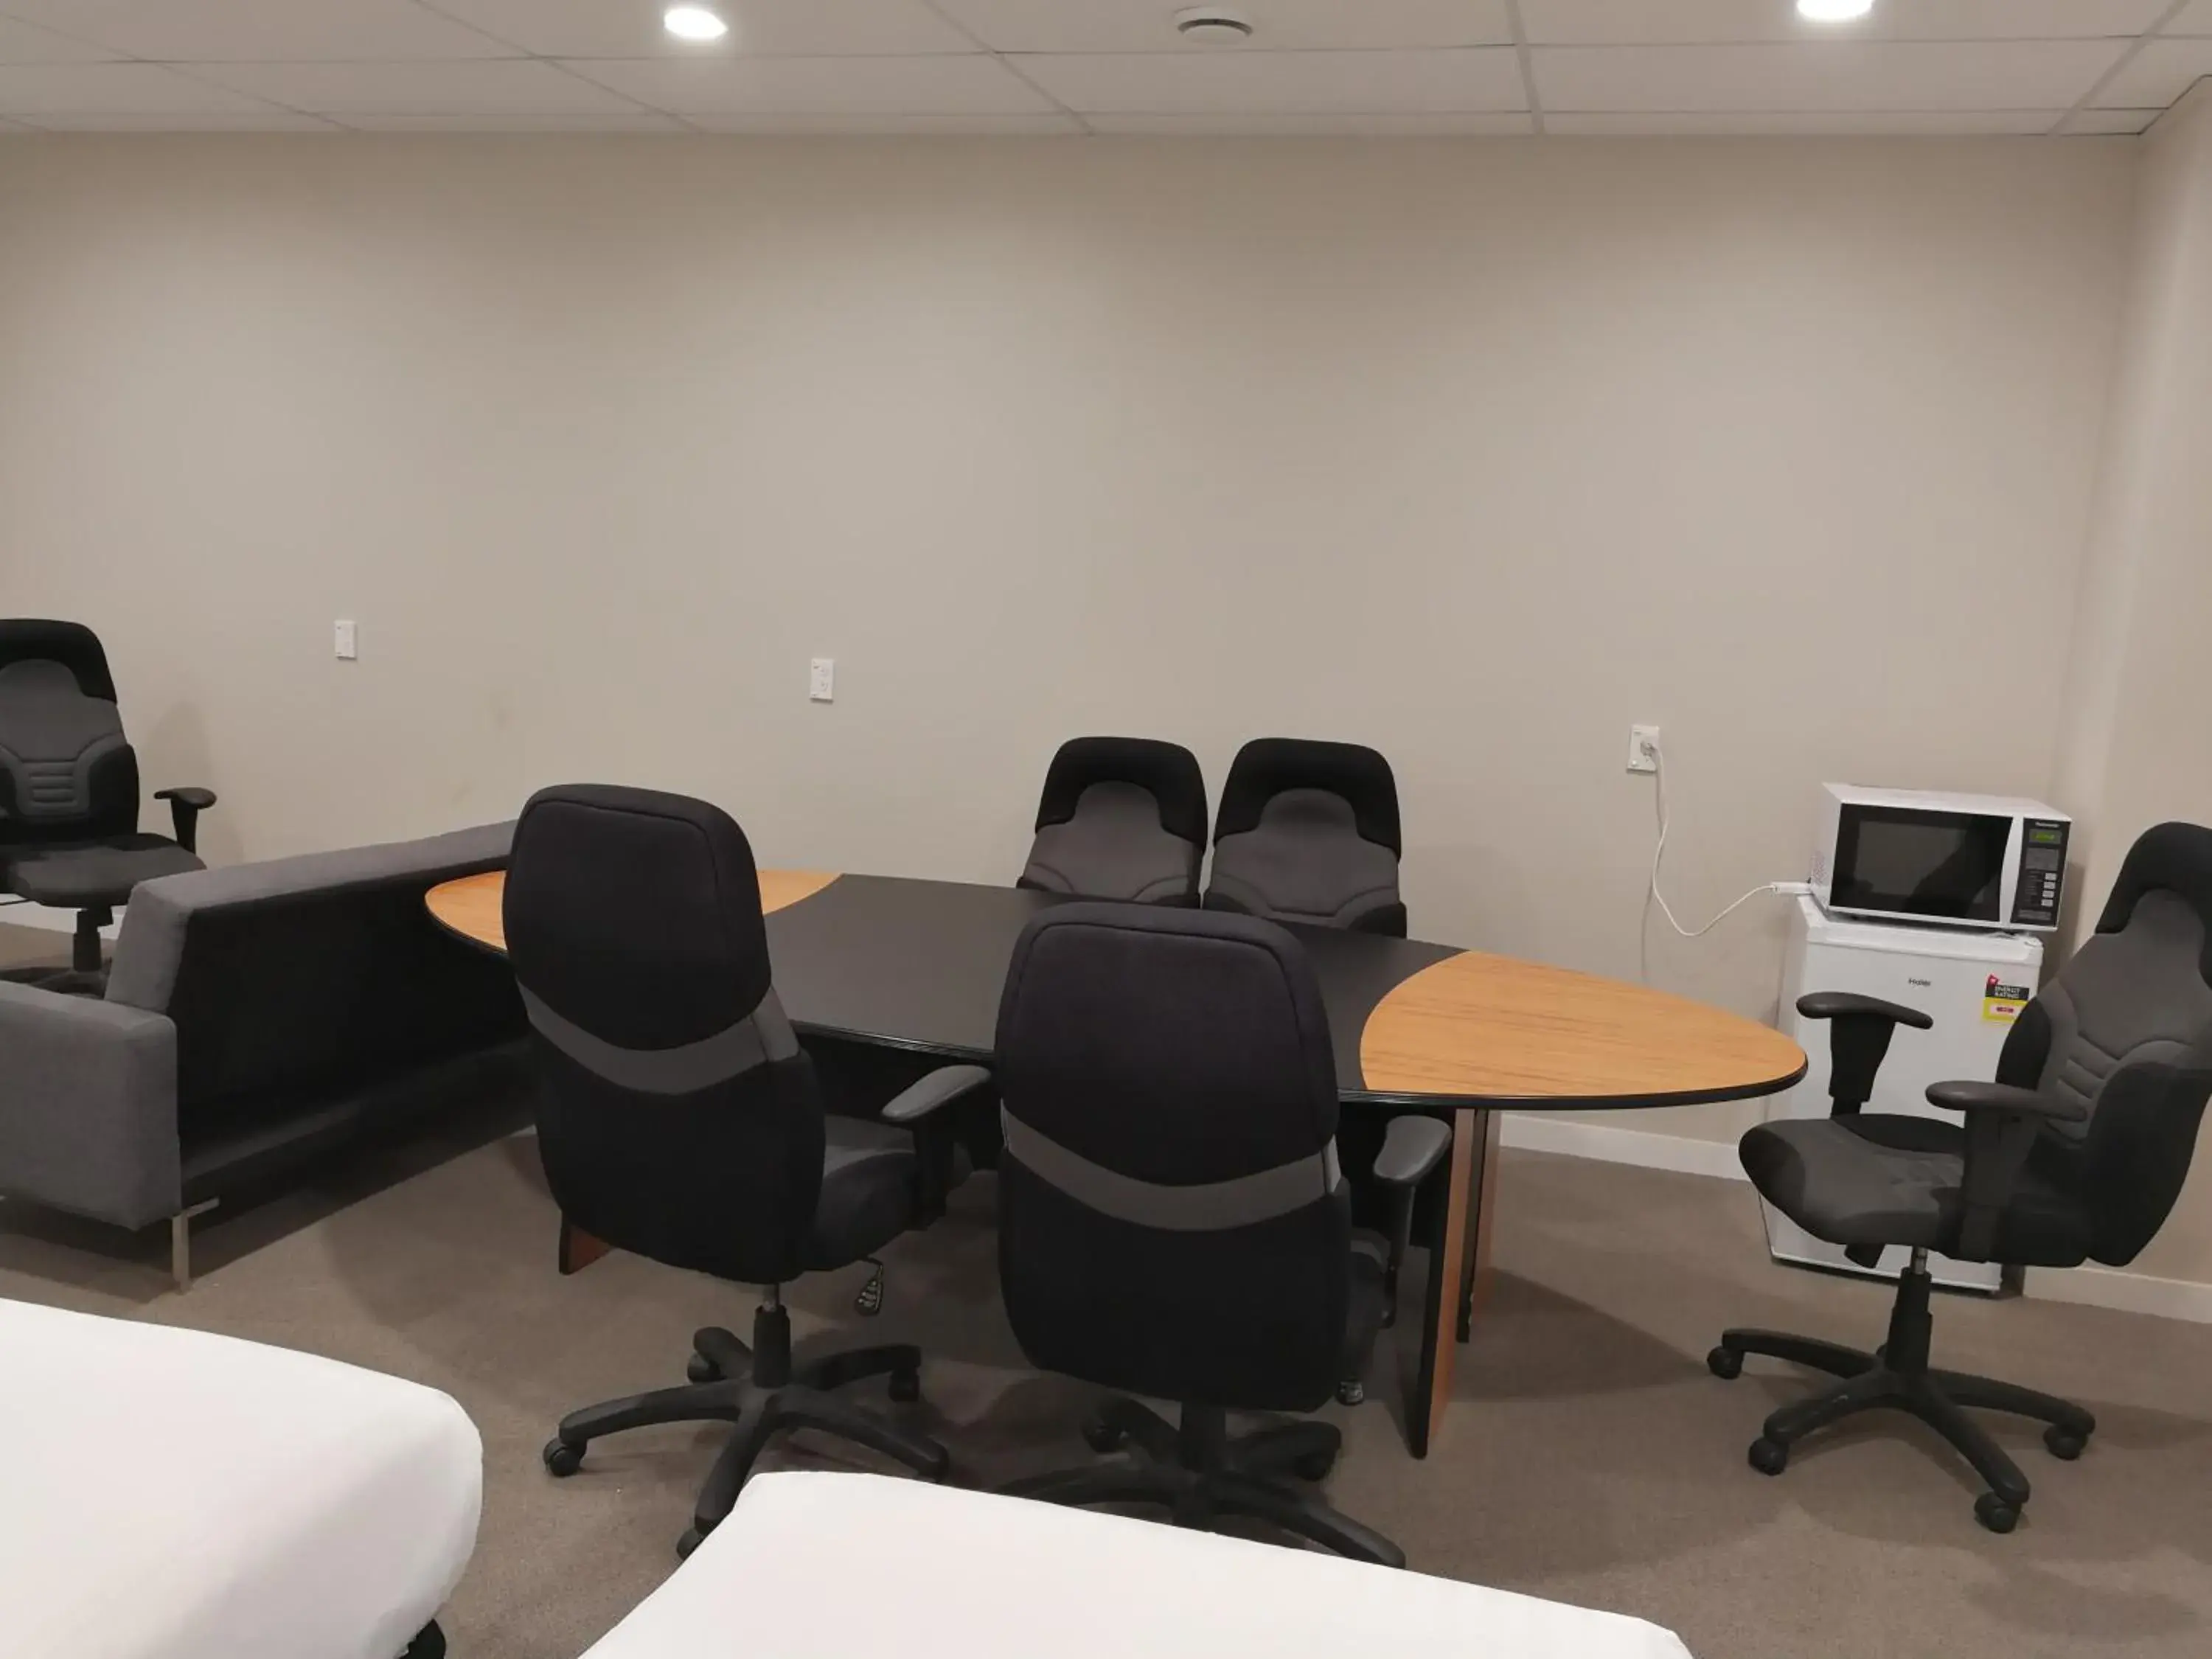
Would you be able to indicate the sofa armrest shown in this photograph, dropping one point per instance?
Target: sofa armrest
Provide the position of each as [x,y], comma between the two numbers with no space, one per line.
[88,1106]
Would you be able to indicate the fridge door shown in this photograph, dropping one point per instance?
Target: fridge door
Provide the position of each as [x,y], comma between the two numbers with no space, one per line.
[1971,985]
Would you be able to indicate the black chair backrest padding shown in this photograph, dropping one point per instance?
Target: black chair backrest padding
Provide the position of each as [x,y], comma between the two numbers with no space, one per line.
[1171,1220]
[66,772]
[678,1117]
[2126,1028]
[1120,818]
[1307,831]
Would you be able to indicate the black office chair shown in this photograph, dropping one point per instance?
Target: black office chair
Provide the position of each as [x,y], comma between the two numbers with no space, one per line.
[678,1116]
[1120,818]
[69,789]
[1171,1218]
[1309,832]
[2075,1152]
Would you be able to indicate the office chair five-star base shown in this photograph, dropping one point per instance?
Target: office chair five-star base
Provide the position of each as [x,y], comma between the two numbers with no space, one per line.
[761,1390]
[1898,1376]
[1199,1472]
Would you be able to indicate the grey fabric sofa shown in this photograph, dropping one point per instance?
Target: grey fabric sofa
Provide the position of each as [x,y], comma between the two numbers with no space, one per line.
[255,1016]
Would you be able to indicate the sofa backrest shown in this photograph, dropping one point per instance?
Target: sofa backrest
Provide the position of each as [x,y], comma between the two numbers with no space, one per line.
[297,974]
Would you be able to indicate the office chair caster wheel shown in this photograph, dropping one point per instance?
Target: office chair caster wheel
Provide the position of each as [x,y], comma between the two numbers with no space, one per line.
[1769,1456]
[699,1368]
[1725,1363]
[561,1459]
[2064,1443]
[1350,1391]
[1993,1512]
[691,1540]
[905,1386]
[1314,1465]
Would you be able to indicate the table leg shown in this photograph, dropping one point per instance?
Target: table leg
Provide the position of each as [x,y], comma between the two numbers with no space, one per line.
[1449,1258]
[579,1249]
[1475,1275]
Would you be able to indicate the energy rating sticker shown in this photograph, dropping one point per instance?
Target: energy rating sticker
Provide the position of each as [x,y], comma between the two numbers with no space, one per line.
[2002,1002]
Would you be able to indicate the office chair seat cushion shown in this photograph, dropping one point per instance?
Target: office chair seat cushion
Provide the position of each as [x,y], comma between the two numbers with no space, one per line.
[1877,1178]
[97,872]
[869,1176]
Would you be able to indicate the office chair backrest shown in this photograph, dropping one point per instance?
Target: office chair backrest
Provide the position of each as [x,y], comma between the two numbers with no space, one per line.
[1309,832]
[678,1117]
[2126,1028]
[1120,818]
[66,772]
[1171,1217]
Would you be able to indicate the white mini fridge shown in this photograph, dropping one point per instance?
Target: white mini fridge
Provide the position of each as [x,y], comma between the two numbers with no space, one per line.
[1972,984]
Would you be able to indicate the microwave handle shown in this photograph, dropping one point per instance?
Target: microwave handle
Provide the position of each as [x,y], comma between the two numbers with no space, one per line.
[1858,1039]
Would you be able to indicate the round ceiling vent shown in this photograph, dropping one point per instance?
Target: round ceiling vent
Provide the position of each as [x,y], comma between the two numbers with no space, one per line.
[1217,26]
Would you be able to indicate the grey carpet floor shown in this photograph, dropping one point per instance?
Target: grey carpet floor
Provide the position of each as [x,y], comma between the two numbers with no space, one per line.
[1589,1455]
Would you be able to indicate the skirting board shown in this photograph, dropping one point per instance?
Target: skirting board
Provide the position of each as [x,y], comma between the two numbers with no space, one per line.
[2108,1288]
[2095,1287]
[1536,1132]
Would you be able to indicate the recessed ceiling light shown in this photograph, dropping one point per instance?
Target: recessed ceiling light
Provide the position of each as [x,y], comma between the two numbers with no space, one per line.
[1217,26]
[693,23]
[1834,11]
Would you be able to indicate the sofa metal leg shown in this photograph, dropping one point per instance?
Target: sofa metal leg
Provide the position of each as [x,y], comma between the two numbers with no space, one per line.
[180,1241]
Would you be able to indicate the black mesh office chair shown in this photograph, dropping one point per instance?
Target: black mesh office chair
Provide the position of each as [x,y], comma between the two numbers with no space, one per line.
[2076,1152]
[1120,818]
[678,1118]
[1171,1218]
[68,789]
[1309,832]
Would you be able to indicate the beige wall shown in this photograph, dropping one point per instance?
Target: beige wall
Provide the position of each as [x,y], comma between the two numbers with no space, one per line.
[2139,752]
[1476,452]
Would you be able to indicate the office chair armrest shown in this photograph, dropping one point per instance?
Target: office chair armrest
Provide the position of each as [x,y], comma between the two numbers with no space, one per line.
[916,1108]
[1413,1145]
[1858,1037]
[2001,1124]
[1970,1097]
[1839,1005]
[186,803]
[1410,1147]
[941,1088]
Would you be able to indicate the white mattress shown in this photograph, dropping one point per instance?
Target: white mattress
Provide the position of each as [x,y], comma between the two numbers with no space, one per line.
[843,1565]
[167,1494]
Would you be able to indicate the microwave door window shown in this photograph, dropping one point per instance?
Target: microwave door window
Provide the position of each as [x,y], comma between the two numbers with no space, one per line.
[1921,863]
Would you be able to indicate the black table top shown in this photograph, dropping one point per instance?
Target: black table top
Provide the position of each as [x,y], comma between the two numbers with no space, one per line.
[919,964]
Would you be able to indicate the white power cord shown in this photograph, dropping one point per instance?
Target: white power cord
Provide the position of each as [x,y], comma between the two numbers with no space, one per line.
[1659,799]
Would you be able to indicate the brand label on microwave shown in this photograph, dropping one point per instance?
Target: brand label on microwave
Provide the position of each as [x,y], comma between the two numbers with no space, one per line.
[2002,1002]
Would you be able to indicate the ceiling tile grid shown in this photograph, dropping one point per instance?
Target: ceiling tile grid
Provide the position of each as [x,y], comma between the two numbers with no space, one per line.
[1365,68]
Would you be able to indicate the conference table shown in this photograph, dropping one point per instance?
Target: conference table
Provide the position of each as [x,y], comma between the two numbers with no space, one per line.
[899,963]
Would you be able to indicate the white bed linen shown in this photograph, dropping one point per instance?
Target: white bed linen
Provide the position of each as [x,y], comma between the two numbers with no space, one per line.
[167,1494]
[830,1566]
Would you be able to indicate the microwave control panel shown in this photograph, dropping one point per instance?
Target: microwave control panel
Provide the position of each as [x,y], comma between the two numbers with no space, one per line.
[2042,873]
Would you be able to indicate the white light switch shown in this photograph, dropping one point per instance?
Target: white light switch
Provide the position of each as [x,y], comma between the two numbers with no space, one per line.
[348,641]
[821,680]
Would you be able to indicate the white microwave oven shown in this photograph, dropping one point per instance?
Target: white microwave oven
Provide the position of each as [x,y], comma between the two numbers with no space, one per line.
[1953,861]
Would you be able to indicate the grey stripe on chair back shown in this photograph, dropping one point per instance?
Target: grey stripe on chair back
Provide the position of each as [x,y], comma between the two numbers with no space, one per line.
[1171,1218]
